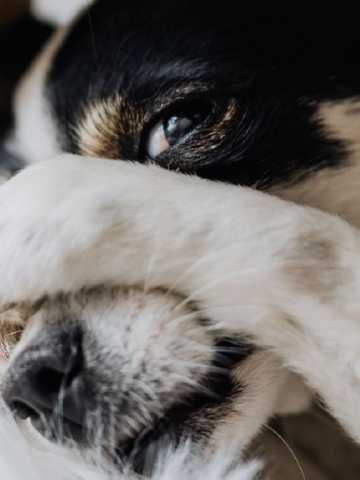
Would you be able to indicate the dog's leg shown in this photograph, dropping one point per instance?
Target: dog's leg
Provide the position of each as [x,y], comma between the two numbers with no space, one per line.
[285,275]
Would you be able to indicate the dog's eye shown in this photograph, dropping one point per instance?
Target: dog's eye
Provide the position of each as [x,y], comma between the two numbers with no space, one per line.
[174,128]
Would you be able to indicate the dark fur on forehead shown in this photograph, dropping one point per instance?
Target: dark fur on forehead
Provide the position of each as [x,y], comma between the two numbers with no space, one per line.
[273,69]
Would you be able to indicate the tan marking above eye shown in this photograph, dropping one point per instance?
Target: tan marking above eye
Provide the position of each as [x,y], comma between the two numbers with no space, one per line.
[102,123]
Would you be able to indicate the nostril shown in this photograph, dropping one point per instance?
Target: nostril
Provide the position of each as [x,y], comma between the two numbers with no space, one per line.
[48,381]
[40,382]
[22,410]
[55,376]
[38,391]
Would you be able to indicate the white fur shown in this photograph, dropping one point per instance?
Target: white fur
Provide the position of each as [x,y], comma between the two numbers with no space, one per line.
[218,244]
[58,12]
[26,457]
[35,137]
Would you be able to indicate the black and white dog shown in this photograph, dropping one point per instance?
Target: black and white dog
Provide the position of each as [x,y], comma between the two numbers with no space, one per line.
[162,299]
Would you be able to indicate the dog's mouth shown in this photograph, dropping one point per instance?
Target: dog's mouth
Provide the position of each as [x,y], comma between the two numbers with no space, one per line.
[194,417]
[51,426]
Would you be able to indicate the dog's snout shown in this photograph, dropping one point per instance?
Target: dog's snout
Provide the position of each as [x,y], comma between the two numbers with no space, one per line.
[47,381]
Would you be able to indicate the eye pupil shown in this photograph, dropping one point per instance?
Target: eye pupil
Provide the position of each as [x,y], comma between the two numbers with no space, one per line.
[177,127]
[174,128]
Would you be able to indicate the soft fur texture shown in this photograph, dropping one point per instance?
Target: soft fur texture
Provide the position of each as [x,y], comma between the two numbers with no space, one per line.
[159,307]
[35,459]
[301,342]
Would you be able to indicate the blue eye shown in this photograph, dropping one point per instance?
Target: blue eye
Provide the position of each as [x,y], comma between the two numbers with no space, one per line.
[169,131]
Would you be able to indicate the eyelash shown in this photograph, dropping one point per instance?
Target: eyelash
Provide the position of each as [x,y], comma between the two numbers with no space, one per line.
[179,107]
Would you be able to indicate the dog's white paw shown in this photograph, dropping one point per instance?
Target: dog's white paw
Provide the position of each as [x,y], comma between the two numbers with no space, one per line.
[46,219]
[75,222]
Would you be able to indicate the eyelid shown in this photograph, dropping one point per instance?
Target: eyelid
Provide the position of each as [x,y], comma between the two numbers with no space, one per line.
[171,106]
[217,104]
[157,134]
[166,109]
[178,93]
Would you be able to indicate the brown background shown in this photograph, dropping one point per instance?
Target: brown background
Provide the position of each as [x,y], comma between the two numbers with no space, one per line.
[8,9]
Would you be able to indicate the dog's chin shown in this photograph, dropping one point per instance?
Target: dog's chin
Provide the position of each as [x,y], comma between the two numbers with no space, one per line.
[186,421]
[142,453]
[194,418]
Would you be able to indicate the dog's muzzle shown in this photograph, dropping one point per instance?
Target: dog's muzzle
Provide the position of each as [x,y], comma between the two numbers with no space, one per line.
[122,372]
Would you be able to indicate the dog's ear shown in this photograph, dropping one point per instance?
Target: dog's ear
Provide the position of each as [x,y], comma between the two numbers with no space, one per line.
[58,12]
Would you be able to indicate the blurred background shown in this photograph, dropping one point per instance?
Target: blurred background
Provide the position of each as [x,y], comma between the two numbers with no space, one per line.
[20,38]
[10,8]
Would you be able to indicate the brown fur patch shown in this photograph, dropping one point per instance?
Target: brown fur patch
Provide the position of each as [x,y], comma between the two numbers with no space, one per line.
[104,123]
[12,323]
[314,267]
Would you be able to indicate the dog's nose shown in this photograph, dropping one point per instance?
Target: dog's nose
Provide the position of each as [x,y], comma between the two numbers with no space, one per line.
[47,381]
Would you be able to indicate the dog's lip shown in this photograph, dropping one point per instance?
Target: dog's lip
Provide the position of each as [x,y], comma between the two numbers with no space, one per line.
[70,428]
[141,451]
[176,424]
[179,422]
[168,431]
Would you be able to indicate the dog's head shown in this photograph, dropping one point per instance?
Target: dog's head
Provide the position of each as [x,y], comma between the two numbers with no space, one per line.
[194,88]
[251,100]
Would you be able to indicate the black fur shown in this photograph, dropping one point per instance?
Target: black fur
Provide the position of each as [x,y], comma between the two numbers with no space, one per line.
[19,42]
[276,67]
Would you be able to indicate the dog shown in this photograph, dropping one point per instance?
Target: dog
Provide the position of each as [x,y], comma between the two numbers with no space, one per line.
[210,281]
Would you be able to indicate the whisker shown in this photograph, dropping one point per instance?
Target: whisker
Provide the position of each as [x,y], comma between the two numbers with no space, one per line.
[214,256]
[215,283]
[151,264]
[289,448]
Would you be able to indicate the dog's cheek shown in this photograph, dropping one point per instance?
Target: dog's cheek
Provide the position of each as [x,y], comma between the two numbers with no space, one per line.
[295,397]
[35,136]
[263,378]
